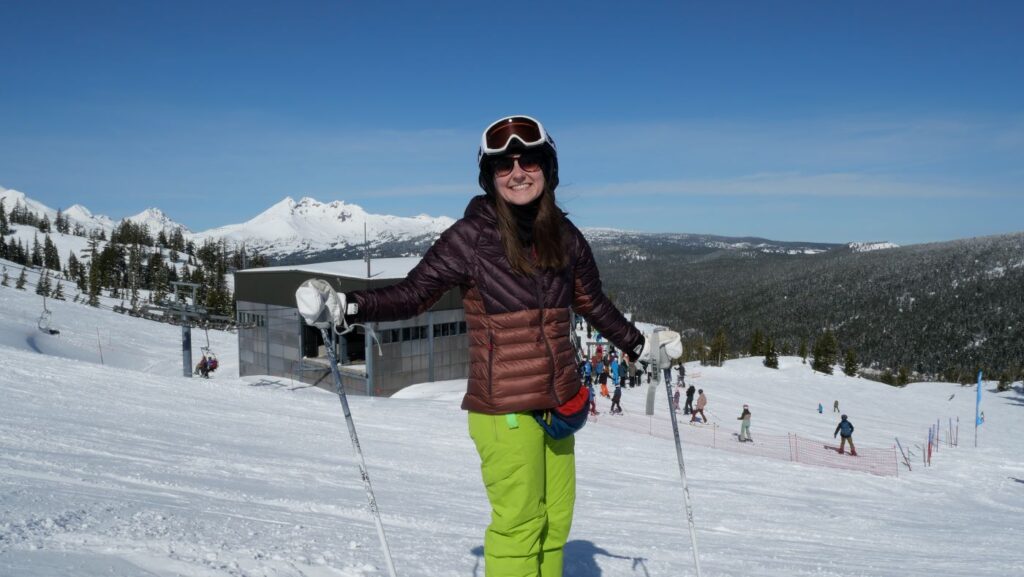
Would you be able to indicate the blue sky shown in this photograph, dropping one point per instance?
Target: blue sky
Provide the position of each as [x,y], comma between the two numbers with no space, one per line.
[815,121]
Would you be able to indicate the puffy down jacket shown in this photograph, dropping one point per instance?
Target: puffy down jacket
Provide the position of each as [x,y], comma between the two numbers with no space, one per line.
[520,354]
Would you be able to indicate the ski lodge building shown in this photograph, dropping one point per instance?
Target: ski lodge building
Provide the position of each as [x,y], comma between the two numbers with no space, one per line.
[274,340]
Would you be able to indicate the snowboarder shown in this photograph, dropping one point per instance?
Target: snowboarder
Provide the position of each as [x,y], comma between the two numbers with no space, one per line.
[845,431]
[688,408]
[528,467]
[702,401]
[745,425]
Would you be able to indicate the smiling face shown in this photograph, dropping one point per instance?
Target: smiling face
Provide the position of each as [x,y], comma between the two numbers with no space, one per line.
[520,186]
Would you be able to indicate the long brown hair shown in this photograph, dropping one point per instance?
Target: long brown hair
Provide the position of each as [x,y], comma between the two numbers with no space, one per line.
[549,251]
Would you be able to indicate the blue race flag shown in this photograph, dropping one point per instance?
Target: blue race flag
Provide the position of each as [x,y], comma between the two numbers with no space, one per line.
[977,405]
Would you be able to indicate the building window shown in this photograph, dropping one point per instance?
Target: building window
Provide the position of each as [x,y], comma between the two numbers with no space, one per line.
[251,320]
[462,327]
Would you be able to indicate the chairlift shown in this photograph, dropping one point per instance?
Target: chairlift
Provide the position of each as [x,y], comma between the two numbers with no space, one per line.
[44,321]
[208,363]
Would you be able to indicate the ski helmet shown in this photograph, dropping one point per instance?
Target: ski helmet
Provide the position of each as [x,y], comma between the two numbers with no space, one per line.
[515,134]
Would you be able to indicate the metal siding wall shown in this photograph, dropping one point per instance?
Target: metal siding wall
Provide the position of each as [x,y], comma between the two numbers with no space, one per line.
[277,345]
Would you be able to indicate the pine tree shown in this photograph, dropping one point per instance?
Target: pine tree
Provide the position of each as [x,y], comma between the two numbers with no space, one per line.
[44,224]
[58,293]
[62,224]
[825,351]
[850,366]
[757,343]
[903,377]
[22,279]
[37,252]
[5,227]
[51,259]
[771,357]
[94,282]
[803,349]
[43,286]
[719,349]
[1005,381]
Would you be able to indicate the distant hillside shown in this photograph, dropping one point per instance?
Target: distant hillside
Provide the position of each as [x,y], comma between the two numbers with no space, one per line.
[931,307]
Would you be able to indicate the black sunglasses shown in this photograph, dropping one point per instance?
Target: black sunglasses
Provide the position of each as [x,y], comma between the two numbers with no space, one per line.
[502,165]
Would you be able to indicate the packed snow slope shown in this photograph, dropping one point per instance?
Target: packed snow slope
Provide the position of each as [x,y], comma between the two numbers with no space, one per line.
[127,468]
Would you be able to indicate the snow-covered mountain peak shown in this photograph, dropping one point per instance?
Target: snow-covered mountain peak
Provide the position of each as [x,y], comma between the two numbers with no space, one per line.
[310,226]
[156,220]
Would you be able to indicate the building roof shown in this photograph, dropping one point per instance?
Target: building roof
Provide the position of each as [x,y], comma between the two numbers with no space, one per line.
[380,268]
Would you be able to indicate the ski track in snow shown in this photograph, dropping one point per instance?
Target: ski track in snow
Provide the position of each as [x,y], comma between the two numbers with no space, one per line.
[130,469]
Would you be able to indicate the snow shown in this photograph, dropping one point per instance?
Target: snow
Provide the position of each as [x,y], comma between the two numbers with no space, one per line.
[128,468]
[870,246]
[380,268]
[309,225]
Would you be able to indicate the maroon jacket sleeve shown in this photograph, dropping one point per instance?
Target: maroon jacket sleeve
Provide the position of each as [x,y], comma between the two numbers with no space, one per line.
[445,266]
[590,301]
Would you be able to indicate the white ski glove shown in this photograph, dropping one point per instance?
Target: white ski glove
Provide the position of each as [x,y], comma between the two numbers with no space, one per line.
[669,343]
[320,305]
[672,343]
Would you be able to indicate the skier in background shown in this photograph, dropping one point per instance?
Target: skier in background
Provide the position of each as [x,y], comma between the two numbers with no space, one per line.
[845,431]
[603,379]
[702,401]
[835,406]
[821,409]
[682,374]
[688,408]
[745,425]
[616,397]
[675,400]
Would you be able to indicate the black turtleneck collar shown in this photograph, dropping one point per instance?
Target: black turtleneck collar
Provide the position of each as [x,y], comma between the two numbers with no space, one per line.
[525,215]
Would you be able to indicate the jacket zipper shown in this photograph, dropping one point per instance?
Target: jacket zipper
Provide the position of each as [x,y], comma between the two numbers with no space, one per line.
[547,343]
[490,364]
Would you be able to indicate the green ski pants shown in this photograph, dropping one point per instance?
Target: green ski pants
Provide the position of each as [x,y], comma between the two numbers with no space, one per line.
[531,483]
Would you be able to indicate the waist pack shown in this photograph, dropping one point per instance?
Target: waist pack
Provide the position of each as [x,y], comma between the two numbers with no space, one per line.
[567,418]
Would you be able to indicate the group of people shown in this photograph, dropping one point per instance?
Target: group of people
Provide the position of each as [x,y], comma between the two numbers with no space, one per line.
[688,407]
[610,370]
[206,365]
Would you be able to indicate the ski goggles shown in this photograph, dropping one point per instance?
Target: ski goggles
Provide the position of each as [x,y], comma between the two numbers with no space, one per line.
[498,137]
[529,162]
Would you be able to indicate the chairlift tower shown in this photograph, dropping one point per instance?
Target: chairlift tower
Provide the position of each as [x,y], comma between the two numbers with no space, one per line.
[188,311]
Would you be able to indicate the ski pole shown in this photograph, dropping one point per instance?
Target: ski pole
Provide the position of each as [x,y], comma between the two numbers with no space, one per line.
[340,390]
[682,475]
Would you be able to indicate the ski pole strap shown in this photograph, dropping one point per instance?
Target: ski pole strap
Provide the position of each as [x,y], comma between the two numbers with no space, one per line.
[369,331]
[513,420]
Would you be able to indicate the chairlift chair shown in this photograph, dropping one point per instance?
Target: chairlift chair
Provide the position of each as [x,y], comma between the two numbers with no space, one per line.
[44,321]
[209,357]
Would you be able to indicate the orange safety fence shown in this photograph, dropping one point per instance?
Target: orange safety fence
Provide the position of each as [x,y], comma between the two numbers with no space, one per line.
[789,447]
